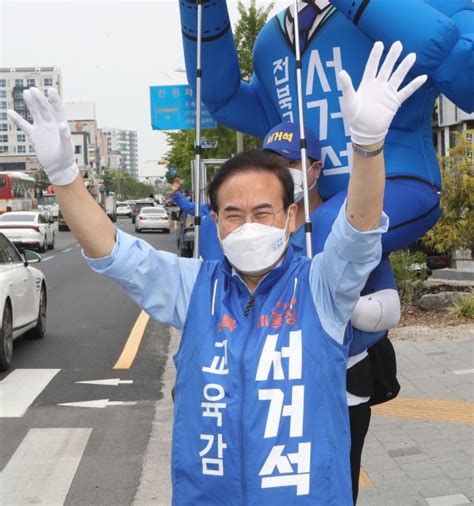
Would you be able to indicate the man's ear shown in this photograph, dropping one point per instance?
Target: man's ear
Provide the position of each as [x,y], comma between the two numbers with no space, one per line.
[317,166]
[214,216]
[292,212]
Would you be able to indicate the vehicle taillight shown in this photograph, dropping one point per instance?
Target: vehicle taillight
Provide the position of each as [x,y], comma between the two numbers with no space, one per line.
[36,229]
[141,218]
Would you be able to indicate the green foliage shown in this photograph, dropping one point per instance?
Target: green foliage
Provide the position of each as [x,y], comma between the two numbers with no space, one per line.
[181,143]
[455,229]
[251,21]
[125,186]
[410,271]
[463,308]
[181,151]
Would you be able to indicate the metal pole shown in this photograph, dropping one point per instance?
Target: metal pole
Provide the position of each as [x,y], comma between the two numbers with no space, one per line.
[240,142]
[304,168]
[197,163]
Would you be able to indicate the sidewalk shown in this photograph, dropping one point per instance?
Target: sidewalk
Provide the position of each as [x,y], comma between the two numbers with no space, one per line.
[420,447]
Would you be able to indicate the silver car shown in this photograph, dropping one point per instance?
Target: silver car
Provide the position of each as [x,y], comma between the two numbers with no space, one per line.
[152,218]
[29,229]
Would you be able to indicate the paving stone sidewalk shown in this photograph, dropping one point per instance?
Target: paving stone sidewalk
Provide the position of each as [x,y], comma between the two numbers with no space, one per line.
[416,453]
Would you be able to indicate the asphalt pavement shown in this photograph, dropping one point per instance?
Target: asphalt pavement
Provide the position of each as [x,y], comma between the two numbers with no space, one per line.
[63,441]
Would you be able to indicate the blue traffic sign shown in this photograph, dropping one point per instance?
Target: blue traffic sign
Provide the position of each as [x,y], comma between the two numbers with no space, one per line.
[174,108]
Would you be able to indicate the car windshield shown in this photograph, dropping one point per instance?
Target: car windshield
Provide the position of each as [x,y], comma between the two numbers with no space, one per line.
[47,200]
[122,204]
[143,204]
[17,217]
[153,210]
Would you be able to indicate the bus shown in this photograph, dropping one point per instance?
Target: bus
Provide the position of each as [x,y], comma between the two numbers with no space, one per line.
[17,192]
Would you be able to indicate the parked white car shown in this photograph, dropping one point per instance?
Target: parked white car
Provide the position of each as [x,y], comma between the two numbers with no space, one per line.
[152,218]
[29,229]
[23,299]
[124,209]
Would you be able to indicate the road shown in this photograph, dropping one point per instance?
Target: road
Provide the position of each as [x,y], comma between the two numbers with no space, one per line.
[51,453]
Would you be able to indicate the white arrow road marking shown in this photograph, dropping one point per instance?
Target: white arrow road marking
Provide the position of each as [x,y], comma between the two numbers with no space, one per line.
[66,250]
[99,403]
[111,382]
[47,258]
[20,388]
[464,371]
[43,466]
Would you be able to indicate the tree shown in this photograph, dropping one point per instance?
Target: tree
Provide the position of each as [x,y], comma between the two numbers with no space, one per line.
[181,151]
[126,186]
[455,228]
[251,21]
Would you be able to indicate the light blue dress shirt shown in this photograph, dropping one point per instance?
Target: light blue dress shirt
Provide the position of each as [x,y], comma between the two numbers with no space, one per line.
[161,283]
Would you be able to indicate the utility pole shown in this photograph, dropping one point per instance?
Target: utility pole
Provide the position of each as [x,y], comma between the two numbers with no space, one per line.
[119,176]
[240,142]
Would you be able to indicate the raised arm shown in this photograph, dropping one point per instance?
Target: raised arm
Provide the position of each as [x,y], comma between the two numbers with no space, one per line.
[51,138]
[369,112]
[230,100]
[353,248]
[443,38]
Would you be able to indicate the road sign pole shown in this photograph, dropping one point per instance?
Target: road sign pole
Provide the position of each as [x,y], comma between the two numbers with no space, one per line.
[197,164]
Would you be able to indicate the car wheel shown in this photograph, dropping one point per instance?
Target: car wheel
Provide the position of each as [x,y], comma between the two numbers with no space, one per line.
[53,242]
[138,230]
[166,230]
[39,331]
[6,339]
[44,246]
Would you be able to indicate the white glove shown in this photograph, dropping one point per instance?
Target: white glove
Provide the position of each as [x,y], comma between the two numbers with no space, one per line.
[371,108]
[49,135]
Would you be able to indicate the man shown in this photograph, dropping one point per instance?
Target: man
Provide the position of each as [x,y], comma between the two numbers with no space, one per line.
[378,308]
[183,203]
[260,413]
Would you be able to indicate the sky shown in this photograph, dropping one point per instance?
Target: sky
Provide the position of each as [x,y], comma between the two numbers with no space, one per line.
[110,52]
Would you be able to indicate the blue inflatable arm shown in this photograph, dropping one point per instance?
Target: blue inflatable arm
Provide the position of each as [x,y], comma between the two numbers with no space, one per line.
[455,76]
[225,95]
[443,40]
[183,203]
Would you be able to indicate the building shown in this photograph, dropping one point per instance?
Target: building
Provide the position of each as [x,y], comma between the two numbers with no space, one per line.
[85,135]
[16,152]
[448,123]
[123,142]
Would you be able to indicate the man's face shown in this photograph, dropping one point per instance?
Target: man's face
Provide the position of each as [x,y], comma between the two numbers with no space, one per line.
[252,196]
[314,169]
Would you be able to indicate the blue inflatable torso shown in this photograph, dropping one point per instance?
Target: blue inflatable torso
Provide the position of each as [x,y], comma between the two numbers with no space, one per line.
[335,45]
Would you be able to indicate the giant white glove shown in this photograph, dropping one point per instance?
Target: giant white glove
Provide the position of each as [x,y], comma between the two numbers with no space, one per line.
[49,134]
[371,108]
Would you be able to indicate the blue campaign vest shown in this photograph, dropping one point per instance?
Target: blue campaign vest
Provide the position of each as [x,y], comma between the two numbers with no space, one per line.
[260,402]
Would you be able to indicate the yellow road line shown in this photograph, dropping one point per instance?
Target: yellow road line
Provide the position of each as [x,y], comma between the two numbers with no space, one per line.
[133,343]
[364,479]
[427,409]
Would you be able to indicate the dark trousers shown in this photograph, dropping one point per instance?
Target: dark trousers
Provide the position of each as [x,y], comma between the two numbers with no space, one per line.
[359,417]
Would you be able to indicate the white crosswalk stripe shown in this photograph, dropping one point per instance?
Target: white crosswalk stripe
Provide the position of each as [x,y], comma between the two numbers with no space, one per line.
[20,388]
[43,467]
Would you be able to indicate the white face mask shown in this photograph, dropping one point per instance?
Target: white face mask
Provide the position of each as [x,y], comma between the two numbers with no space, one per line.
[297,176]
[253,247]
